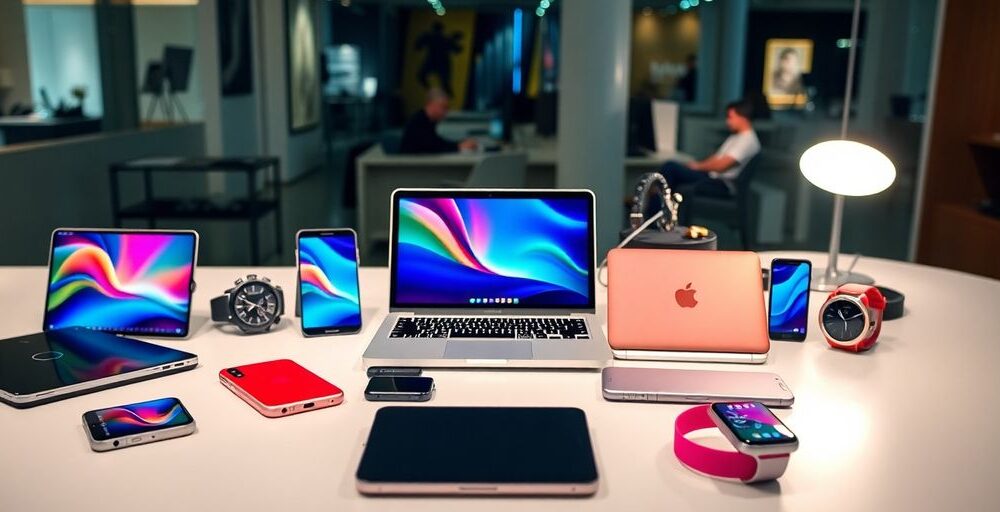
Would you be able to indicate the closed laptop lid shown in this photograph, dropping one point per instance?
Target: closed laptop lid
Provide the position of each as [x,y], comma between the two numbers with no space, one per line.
[63,357]
[685,300]
[493,251]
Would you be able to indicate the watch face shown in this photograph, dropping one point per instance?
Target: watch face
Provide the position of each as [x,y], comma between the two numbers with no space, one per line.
[753,423]
[844,320]
[256,304]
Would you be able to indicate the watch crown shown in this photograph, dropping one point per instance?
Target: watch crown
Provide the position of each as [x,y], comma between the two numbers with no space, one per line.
[266,280]
[238,281]
[251,277]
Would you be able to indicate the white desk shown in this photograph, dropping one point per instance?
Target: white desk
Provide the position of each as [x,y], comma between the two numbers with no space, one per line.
[912,425]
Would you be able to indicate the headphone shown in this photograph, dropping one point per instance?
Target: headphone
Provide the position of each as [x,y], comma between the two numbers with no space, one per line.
[653,186]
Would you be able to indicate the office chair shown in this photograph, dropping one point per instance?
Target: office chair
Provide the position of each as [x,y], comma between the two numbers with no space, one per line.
[502,170]
[735,211]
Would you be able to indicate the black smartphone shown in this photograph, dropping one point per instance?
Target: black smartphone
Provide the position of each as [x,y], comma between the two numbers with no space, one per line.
[399,389]
[135,424]
[328,291]
[788,300]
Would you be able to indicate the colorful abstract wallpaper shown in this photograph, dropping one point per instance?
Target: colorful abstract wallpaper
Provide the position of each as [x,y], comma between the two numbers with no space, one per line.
[488,251]
[121,282]
[142,417]
[329,274]
[789,298]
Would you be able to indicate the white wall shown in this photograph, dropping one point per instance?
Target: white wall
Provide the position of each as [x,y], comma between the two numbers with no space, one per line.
[299,152]
[62,54]
[159,26]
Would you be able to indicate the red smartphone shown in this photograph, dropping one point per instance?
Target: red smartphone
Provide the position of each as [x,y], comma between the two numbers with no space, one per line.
[279,388]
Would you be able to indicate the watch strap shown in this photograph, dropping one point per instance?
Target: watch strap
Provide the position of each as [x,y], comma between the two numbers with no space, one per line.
[870,294]
[220,308]
[702,459]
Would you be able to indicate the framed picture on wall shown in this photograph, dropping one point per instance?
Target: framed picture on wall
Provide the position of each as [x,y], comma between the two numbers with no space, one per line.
[785,61]
[303,63]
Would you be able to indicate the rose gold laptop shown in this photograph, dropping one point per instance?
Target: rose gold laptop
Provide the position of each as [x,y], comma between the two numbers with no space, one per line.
[685,305]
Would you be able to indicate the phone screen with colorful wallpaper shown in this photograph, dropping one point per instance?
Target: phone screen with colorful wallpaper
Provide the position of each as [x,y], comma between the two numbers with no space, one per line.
[139,418]
[788,313]
[753,423]
[121,282]
[328,282]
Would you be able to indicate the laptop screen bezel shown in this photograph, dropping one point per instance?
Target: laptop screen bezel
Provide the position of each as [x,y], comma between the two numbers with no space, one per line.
[398,194]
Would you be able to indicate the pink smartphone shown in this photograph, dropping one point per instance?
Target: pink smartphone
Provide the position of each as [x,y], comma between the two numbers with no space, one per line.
[280,388]
[694,386]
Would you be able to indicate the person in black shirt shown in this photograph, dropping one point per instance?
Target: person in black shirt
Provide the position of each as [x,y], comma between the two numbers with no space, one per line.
[420,134]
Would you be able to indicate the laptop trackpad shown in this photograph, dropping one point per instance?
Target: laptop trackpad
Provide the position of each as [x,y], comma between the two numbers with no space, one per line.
[488,350]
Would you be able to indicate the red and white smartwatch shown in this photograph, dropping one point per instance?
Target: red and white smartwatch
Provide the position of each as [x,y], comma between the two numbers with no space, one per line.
[851,317]
[763,443]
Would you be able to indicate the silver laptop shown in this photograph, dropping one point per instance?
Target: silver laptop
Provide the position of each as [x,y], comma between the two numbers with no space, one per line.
[491,278]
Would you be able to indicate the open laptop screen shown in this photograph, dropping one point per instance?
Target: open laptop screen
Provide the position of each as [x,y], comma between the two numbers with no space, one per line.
[121,281]
[493,249]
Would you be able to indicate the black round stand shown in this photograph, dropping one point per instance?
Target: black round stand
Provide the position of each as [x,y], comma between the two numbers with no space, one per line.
[656,239]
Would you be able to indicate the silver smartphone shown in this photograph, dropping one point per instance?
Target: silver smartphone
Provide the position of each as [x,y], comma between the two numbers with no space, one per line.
[134,424]
[694,386]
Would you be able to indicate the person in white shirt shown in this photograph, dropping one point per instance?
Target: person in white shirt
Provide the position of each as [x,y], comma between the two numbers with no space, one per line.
[716,175]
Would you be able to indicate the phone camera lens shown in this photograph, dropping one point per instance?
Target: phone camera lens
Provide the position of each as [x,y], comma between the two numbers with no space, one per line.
[234,372]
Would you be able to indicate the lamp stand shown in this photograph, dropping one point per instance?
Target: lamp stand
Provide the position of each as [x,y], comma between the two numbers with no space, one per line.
[830,278]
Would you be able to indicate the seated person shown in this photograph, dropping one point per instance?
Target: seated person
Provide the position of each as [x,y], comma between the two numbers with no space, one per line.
[716,175]
[420,134]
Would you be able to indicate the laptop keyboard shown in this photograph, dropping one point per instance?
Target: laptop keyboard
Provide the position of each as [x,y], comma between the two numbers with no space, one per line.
[553,328]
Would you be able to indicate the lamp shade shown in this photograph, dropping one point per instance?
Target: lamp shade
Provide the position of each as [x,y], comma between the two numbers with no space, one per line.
[847,168]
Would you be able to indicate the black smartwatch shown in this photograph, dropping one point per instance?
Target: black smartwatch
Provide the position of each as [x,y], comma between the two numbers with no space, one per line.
[254,305]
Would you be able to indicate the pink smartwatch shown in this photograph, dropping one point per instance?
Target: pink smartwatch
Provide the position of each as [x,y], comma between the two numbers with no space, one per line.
[763,443]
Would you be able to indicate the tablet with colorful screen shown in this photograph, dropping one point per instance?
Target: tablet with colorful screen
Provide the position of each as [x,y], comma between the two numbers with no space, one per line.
[121,281]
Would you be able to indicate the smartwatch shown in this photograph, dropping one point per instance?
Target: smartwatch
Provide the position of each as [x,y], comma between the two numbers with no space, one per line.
[851,317]
[763,443]
[254,305]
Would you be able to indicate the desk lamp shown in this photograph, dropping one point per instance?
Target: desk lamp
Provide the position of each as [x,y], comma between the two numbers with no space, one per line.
[845,168]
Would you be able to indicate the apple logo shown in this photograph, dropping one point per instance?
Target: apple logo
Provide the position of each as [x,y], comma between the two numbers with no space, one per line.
[685,297]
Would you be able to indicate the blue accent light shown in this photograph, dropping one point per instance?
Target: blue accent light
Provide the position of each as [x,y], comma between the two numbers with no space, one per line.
[516,78]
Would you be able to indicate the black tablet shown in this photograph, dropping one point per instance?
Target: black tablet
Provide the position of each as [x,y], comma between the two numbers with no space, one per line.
[53,365]
[478,450]
[132,282]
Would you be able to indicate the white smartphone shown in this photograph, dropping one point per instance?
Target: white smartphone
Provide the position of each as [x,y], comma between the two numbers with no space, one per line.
[135,424]
[694,386]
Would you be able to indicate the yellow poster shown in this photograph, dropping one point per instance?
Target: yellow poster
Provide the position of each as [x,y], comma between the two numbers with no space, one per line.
[437,54]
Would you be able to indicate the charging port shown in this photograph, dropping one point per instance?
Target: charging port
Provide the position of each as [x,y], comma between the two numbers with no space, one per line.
[308,405]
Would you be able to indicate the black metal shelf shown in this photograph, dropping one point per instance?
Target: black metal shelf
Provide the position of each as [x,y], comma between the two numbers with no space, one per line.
[250,209]
[198,209]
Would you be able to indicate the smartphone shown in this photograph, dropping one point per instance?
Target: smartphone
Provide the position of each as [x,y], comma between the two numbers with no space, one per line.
[280,388]
[788,300]
[135,424]
[693,386]
[399,389]
[328,281]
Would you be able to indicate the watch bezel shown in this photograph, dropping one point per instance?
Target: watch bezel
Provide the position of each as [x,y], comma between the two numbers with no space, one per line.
[237,321]
[865,310]
[748,449]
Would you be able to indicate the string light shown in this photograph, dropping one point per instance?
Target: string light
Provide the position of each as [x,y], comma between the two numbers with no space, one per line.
[542,6]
